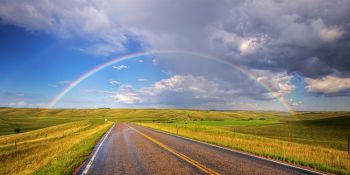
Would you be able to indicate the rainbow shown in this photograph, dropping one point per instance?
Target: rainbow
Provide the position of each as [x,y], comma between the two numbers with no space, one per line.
[96,69]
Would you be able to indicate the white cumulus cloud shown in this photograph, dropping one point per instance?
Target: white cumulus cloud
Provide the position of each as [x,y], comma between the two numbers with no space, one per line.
[174,91]
[114,82]
[278,84]
[329,85]
[126,98]
[120,67]
[141,80]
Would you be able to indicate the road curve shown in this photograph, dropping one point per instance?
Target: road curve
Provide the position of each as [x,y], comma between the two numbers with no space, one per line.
[133,149]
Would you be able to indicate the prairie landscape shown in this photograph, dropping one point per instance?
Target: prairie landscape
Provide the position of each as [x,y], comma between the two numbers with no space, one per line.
[156,87]
[49,141]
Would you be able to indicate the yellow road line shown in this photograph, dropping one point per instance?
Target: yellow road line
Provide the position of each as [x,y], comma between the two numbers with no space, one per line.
[180,155]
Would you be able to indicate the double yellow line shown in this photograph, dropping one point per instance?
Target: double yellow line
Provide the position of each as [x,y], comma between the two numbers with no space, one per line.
[180,155]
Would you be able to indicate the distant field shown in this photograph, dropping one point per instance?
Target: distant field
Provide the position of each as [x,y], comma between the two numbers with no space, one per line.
[235,123]
[31,119]
[327,132]
[314,139]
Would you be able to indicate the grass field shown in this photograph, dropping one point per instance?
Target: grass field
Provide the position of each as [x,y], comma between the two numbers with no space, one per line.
[314,139]
[57,149]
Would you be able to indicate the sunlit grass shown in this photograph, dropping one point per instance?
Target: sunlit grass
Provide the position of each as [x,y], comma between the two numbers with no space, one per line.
[318,157]
[63,138]
[327,132]
[235,123]
[53,150]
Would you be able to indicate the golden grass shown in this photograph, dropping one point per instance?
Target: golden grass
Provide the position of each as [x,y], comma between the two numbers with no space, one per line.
[46,133]
[321,158]
[35,149]
[50,147]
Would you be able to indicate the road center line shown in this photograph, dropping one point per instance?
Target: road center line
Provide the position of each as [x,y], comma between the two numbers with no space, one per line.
[180,155]
[243,153]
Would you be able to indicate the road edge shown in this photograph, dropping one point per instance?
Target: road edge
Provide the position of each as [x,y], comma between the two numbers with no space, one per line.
[241,152]
[84,168]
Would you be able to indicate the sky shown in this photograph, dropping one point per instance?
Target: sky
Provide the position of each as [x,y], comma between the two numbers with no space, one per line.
[200,54]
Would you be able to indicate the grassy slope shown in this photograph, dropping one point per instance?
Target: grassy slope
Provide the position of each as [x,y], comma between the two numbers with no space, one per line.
[31,119]
[313,139]
[57,149]
[68,161]
[328,132]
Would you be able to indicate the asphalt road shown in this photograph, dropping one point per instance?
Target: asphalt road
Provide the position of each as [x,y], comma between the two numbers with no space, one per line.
[132,149]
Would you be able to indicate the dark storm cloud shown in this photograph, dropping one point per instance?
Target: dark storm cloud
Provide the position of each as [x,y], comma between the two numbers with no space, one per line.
[310,37]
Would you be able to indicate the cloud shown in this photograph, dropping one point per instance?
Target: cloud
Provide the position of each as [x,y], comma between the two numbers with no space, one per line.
[247,82]
[191,91]
[126,94]
[20,94]
[271,35]
[75,19]
[173,91]
[329,85]
[63,82]
[22,99]
[154,61]
[277,36]
[295,36]
[18,104]
[103,49]
[200,87]
[242,45]
[140,61]
[127,98]
[331,34]
[94,91]
[60,83]
[141,80]
[14,97]
[120,67]
[114,82]
[295,104]
[278,84]
[24,104]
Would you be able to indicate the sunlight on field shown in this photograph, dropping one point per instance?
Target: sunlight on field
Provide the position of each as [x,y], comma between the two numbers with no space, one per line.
[53,150]
[57,141]
[318,157]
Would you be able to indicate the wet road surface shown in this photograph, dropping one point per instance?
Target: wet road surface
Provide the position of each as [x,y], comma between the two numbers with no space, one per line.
[132,149]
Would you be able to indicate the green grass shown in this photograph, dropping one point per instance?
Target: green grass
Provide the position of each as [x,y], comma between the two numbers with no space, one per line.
[31,119]
[328,132]
[63,142]
[314,139]
[234,123]
[53,150]
[318,157]
[67,162]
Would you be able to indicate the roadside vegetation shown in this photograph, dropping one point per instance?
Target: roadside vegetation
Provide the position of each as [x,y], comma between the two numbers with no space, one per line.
[41,141]
[315,140]
[58,149]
